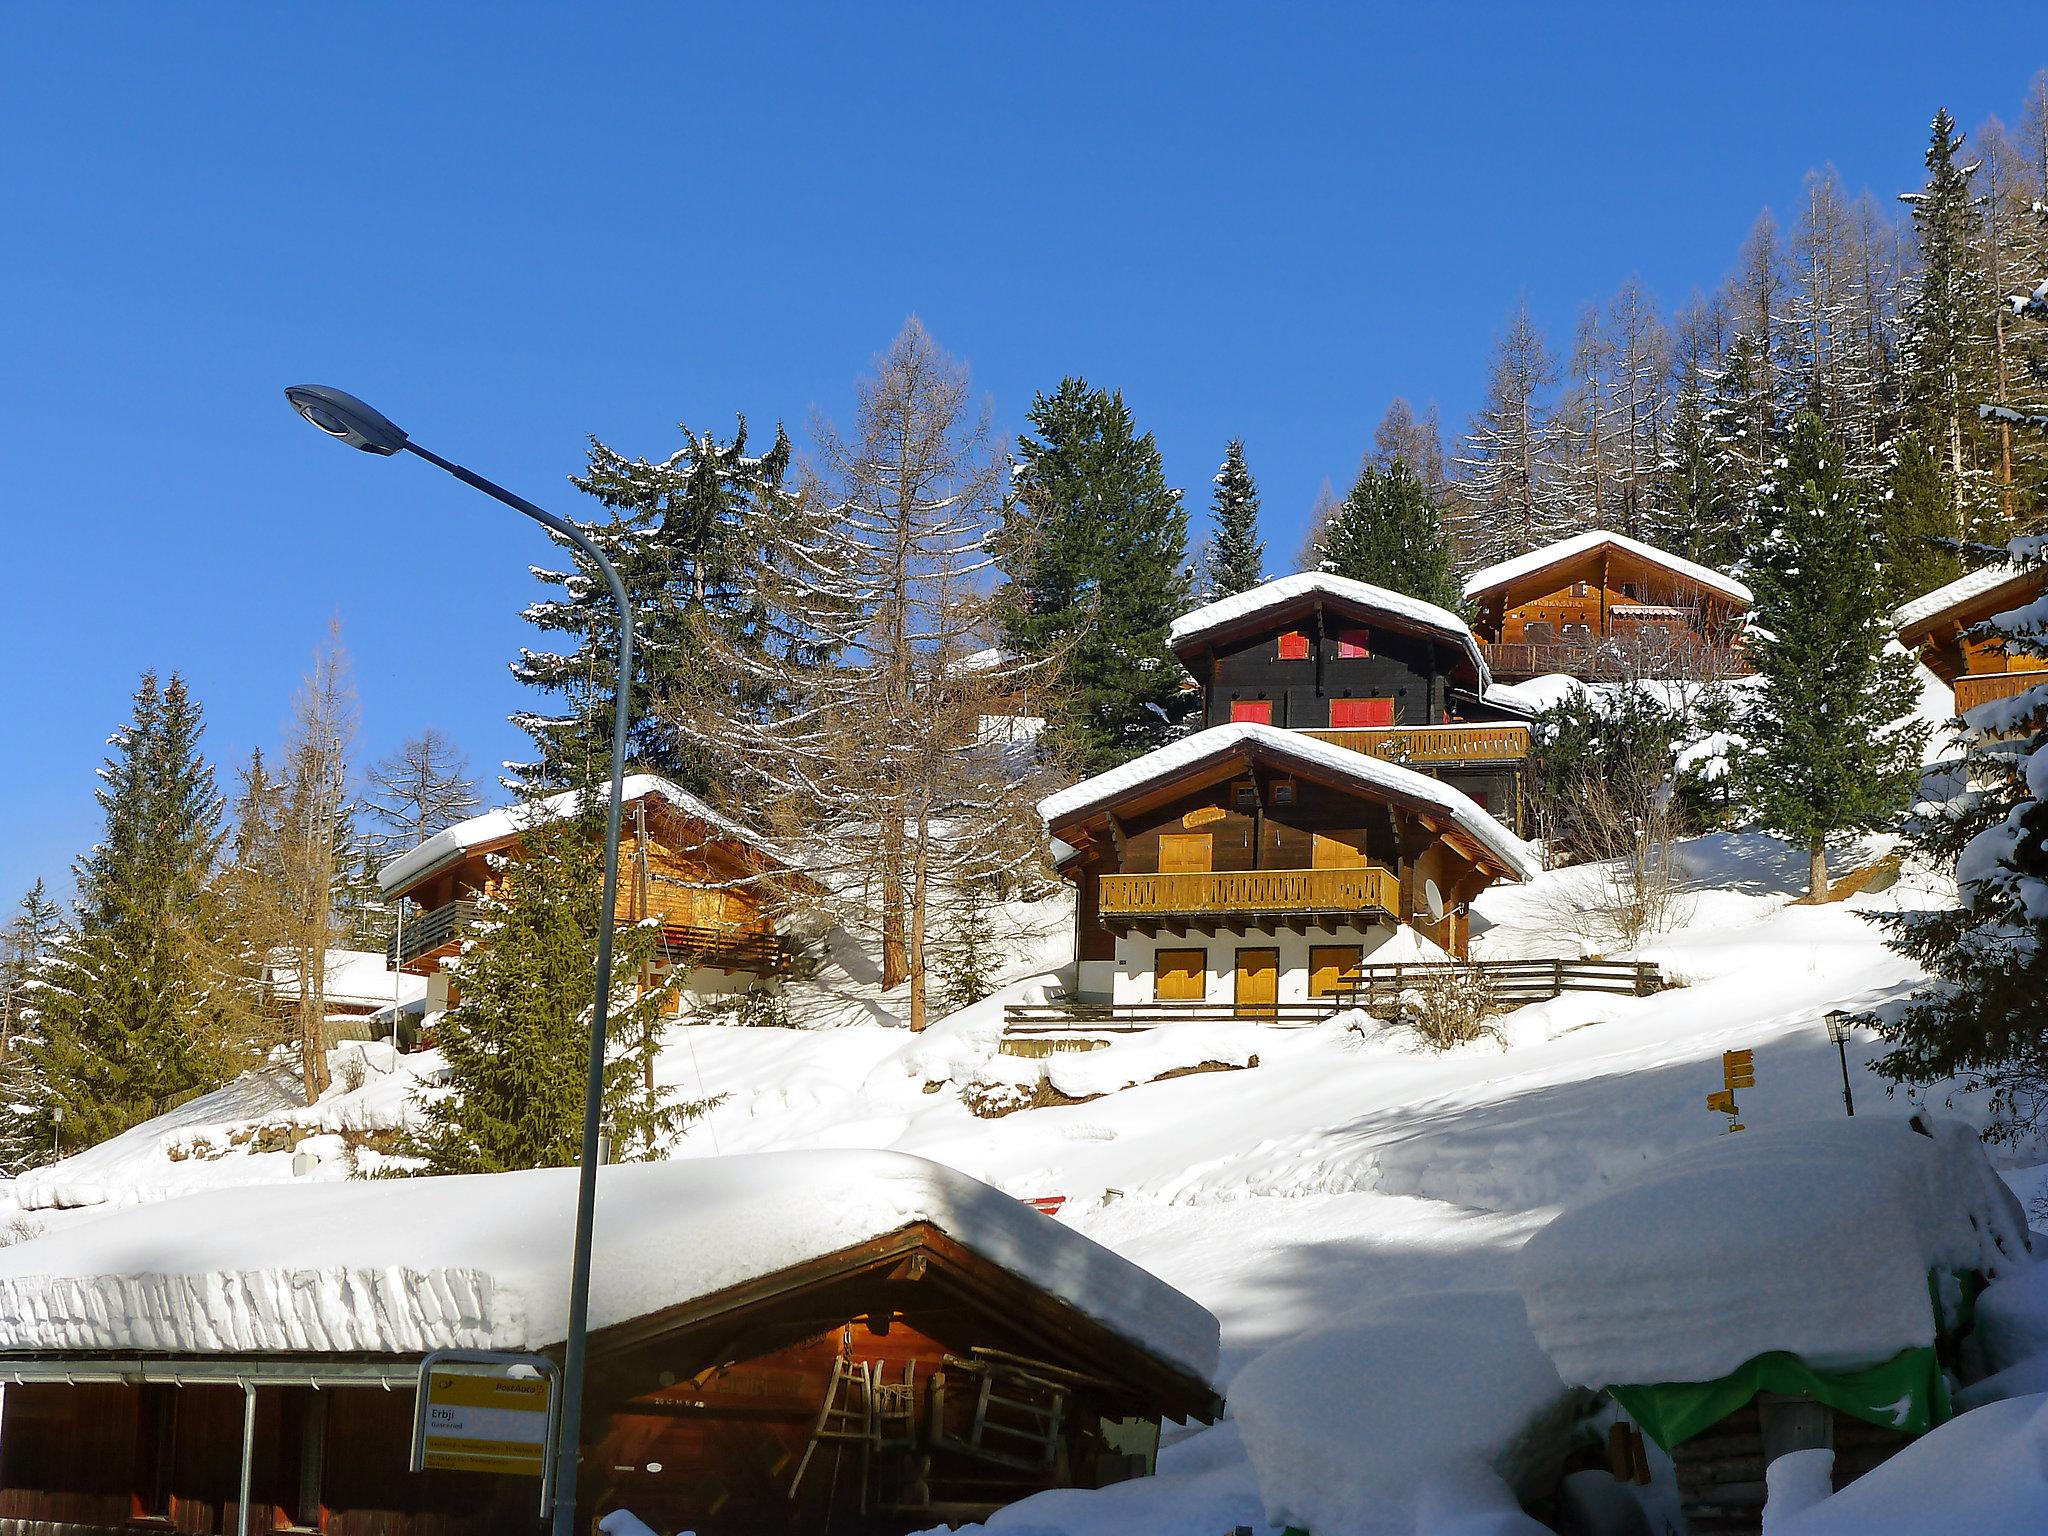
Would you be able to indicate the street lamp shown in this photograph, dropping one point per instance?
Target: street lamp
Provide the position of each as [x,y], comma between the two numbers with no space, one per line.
[1841,1023]
[343,416]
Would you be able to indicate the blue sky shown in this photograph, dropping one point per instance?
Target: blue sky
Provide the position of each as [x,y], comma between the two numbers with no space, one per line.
[510,226]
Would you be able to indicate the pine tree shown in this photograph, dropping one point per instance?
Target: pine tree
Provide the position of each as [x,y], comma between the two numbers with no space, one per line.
[25,945]
[133,1000]
[1919,525]
[1948,348]
[681,533]
[1694,512]
[1236,558]
[1387,532]
[1828,749]
[1096,546]
[517,1042]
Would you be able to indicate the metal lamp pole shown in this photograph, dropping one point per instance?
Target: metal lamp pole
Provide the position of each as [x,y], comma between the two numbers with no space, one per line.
[1840,1024]
[343,416]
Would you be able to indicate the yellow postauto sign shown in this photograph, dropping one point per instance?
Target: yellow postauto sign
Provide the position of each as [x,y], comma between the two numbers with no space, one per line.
[485,1423]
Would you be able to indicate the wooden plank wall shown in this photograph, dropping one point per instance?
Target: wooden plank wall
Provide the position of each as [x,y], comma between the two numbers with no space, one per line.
[1408,668]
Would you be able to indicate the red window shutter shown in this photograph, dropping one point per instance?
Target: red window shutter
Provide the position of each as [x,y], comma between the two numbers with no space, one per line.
[1354,642]
[1352,714]
[1255,711]
[1294,646]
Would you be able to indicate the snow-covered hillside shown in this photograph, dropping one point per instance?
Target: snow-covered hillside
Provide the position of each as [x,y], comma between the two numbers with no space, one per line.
[1286,1178]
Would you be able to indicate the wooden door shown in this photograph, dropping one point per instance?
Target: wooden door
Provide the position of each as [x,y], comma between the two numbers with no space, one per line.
[1331,966]
[1338,850]
[1258,982]
[1180,975]
[1186,853]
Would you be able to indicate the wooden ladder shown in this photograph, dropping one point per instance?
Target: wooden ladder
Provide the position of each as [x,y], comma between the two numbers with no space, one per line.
[847,1418]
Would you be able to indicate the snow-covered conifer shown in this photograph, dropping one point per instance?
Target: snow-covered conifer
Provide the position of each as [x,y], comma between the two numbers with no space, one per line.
[1387,532]
[1236,558]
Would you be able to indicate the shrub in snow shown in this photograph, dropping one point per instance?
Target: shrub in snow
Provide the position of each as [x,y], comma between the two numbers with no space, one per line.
[1982,1018]
[1447,1008]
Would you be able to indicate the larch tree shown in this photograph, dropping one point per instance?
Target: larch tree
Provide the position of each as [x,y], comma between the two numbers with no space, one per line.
[1511,505]
[682,532]
[133,1004]
[1639,361]
[1387,532]
[1095,543]
[1236,556]
[894,774]
[1830,747]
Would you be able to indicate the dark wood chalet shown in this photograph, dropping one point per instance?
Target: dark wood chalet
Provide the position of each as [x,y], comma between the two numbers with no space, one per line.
[706,880]
[873,1382]
[1603,605]
[1977,667]
[1363,668]
[1251,866]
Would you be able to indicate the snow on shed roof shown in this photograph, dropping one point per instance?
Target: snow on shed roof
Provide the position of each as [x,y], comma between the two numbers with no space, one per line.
[402,1266]
[1816,1238]
[1566,549]
[353,976]
[1911,615]
[506,821]
[1369,772]
[1224,611]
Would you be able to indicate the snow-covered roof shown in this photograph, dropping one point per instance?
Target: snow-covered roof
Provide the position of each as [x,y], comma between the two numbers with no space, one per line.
[1911,615]
[402,1266]
[1370,773]
[355,976]
[1225,611]
[1579,543]
[1816,1238]
[451,843]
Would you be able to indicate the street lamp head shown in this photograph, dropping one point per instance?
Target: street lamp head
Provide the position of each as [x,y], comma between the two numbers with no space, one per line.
[1840,1024]
[342,415]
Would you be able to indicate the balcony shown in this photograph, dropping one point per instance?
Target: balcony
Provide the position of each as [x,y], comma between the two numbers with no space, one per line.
[426,932]
[1617,658]
[1251,893]
[1434,744]
[726,949]
[1990,687]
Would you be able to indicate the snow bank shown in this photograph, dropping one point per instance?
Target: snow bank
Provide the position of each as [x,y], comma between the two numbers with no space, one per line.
[1412,1414]
[1816,1238]
[1132,1059]
[1983,1473]
[2012,1317]
[405,1265]
[1340,762]
[1566,549]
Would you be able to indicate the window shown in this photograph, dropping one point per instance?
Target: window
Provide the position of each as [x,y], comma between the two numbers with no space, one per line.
[1180,975]
[1245,796]
[1538,632]
[1283,792]
[1578,589]
[1294,646]
[1332,967]
[1630,590]
[1354,642]
[1251,711]
[1354,714]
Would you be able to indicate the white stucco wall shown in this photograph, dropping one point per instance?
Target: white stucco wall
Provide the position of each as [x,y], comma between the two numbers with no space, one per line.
[1133,976]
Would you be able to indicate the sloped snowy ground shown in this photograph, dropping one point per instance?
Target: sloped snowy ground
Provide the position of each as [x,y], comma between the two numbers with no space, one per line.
[1344,1171]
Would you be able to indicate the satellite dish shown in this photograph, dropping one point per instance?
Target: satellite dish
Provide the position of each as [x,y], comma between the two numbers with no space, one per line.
[1433,899]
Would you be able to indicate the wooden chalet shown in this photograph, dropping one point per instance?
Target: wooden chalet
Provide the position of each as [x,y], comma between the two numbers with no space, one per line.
[1360,667]
[782,1343]
[1976,667]
[700,874]
[1601,604]
[1253,867]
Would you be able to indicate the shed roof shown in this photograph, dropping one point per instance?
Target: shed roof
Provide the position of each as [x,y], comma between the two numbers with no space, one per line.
[1192,628]
[1371,774]
[1923,611]
[1580,543]
[404,1266]
[451,844]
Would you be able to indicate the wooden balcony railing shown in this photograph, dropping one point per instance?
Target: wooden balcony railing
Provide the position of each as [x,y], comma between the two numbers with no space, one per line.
[1434,743]
[1252,891]
[1617,658]
[426,932]
[1990,686]
[727,949]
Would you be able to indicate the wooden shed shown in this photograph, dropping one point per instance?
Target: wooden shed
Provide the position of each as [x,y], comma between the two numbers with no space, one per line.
[793,1342]
[1939,625]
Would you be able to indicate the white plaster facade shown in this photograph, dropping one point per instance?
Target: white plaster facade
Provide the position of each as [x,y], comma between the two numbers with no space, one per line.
[1129,978]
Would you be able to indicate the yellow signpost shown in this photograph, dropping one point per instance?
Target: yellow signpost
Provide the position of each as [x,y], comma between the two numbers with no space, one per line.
[482,1411]
[1738,1070]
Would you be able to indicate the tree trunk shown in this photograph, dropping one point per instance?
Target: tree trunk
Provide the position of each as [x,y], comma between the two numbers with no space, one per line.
[895,962]
[1817,871]
[919,887]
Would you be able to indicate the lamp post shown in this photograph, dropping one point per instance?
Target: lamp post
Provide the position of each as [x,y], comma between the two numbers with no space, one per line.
[1840,1023]
[343,416]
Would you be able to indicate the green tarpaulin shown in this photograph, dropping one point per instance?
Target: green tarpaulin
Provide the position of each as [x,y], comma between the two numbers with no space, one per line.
[1906,1392]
